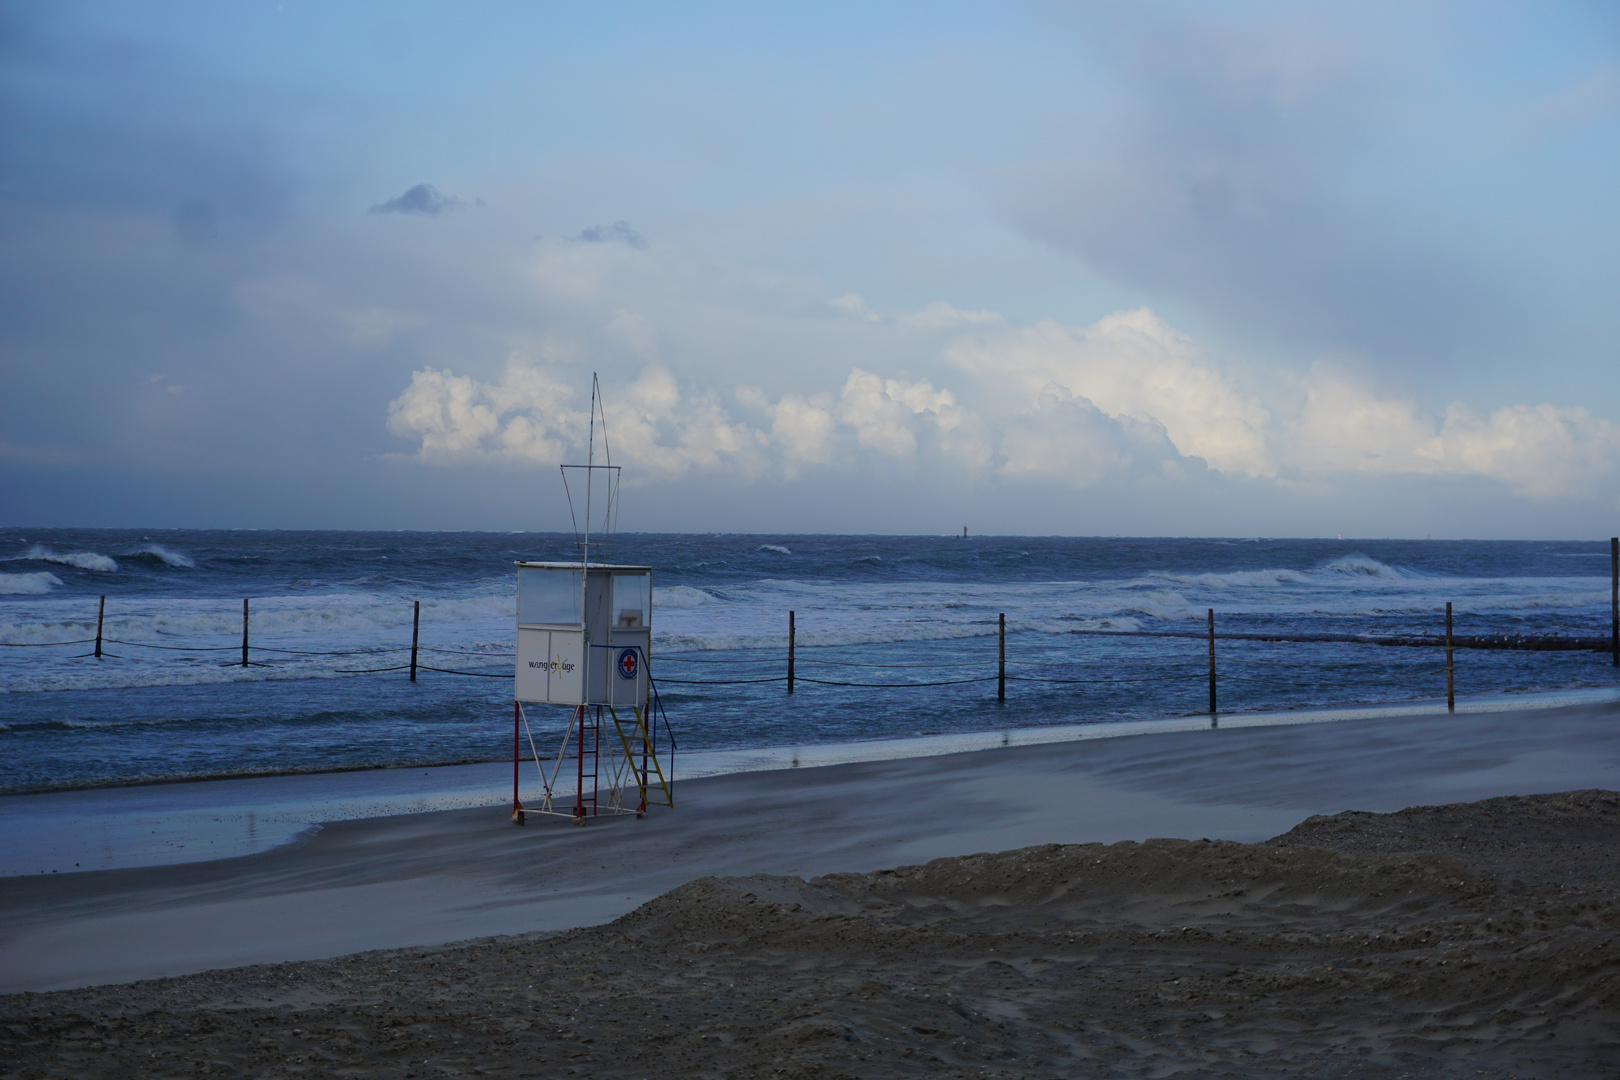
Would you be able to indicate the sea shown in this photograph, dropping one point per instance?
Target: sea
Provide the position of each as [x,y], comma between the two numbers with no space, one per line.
[896,636]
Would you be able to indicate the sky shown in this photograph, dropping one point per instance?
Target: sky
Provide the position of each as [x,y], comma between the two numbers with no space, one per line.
[1201,269]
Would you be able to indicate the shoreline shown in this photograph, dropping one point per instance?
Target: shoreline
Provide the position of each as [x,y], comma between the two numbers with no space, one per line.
[207,818]
[432,875]
[1498,701]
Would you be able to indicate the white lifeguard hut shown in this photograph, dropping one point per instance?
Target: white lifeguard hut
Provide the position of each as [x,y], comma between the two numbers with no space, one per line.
[584,641]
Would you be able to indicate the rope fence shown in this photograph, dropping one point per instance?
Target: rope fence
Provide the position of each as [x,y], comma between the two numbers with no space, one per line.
[1066,672]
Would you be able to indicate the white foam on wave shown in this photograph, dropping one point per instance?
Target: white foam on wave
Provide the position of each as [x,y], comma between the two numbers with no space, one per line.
[869,634]
[36,584]
[1242,579]
[1335,571]
[1366,566]
[681,596]
[1161,604]
[776,548]
[167,556]
[129,676]
[1076,624]
[337,623]
[734,614]
[84,560]
[306,615]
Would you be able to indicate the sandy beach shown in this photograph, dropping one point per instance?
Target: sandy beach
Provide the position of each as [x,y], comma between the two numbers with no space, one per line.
[1262,940]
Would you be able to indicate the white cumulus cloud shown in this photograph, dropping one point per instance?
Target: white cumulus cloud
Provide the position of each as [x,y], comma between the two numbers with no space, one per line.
[1127,397]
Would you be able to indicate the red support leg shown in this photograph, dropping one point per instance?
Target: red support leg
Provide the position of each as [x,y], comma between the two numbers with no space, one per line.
[517,721]
[579,785]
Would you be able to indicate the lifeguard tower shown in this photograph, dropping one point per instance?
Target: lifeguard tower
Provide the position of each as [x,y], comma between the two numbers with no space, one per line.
[584,640]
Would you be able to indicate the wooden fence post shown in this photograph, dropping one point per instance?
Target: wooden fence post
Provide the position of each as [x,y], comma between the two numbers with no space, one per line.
[244,632]
[1001,667]
[416,622]
[790,651]
[101,611]
[1614,598]
[1212,663]
[1451,686]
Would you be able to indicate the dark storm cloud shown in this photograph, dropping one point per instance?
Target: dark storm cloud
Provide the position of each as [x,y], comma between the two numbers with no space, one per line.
[111,125]
[1254,254]
[619,232]
[197,221]
[421,199]
[138,194]
[1223,181]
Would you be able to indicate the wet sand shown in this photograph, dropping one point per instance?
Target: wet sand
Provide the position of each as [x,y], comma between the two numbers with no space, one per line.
[428,878]
[1427,943]
[1470,940]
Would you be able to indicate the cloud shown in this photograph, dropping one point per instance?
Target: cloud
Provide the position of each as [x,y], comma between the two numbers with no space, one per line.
[1130,364]
[942,316]
[889,415]
[1246,170]
[421,199]
[802,429]
[619,232]
[301,300]
[854,305]
[528,418]
[1543,451]
[1068,441]
[1127,397]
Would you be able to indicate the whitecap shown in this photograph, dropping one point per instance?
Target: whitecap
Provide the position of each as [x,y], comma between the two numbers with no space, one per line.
[35,584]
[1242,579]
[168,556]
[681,596]
[1365,566]
[776,548]
[84,560]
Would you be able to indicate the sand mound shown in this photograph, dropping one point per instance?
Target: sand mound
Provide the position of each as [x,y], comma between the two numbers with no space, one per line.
[1468,940]
[1091,887]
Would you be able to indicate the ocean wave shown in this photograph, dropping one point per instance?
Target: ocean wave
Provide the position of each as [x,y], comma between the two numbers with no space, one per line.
[1353,565]
[681,596]
[1077,624]
[167,556]
[1242,579]
[130,676]
[35,584]
[777,548]
[1162,605]
[84,560]
[816,637]
[1366,566]
[339,619]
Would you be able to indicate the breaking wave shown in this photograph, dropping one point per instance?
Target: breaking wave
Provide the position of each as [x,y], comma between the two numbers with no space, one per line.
[166,556]
[84,560]
[1366,567]
[36,584]
[777,548]
[681,596]
[1347,566]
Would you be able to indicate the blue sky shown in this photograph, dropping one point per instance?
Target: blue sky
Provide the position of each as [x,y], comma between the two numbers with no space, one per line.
[1095,268]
